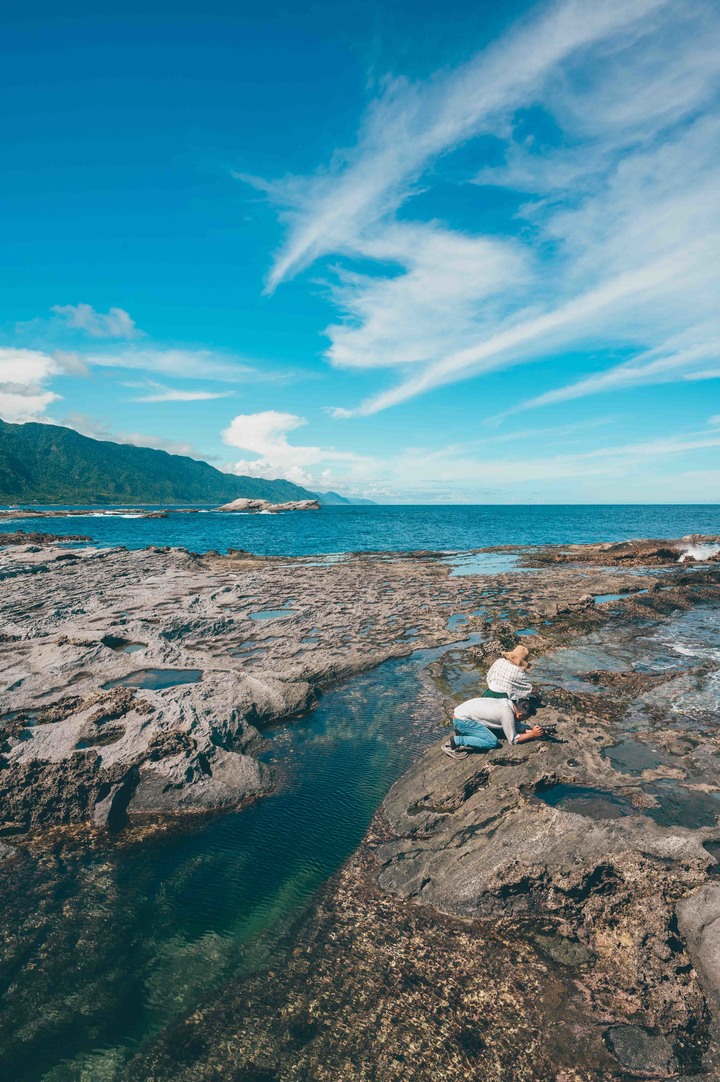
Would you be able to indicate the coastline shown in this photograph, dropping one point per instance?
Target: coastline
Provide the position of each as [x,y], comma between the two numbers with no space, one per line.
[163,665]
[181,606]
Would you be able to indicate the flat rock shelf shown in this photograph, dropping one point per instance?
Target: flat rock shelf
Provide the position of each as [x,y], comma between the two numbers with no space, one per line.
[165,922]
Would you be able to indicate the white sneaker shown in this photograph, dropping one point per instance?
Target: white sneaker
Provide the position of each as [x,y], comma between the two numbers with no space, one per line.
[454,753]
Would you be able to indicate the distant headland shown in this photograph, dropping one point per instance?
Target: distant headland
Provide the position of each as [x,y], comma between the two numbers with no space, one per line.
[49,464]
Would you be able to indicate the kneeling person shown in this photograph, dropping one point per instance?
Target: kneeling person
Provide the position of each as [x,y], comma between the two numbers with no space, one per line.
[476,722]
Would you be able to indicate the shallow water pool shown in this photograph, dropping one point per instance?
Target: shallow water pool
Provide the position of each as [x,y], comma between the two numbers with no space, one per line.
[155,679]
[583,800]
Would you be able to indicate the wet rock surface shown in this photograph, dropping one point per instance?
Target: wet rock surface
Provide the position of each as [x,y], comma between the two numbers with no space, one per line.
[483,932]
[265,634]
[483,929]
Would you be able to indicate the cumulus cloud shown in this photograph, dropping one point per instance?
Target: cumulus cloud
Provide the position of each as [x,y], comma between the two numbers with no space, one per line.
[614,245]
[115,323]
[24,374]
[266,435]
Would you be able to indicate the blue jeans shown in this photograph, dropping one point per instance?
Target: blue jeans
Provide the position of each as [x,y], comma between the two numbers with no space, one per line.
[473,734]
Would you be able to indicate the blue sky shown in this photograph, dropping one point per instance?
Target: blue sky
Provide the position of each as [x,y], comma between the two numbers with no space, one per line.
[417,252]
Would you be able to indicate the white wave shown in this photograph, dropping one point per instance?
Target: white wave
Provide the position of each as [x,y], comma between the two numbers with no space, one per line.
[699,552]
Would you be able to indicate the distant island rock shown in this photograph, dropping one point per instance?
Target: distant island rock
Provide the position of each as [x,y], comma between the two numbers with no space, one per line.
[266,507]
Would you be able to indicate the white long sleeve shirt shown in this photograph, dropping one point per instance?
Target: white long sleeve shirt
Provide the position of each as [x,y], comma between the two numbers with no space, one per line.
[492,713]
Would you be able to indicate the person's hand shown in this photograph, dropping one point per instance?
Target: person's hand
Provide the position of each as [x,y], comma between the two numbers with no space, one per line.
[536,732]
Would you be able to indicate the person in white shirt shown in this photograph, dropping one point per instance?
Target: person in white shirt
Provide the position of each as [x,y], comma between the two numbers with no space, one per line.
[476,722]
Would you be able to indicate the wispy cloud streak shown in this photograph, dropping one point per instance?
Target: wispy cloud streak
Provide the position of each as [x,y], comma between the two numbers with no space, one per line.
[411,125]
[614,245]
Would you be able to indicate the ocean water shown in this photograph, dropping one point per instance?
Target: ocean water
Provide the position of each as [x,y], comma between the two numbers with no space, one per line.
[356,529]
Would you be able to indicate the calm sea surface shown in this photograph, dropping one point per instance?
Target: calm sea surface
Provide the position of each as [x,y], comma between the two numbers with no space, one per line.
[355,529]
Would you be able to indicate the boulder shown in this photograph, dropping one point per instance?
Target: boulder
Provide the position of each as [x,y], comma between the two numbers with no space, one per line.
[261,506]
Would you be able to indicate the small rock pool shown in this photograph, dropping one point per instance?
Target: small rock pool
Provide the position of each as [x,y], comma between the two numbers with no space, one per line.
[155,679]
[584,800]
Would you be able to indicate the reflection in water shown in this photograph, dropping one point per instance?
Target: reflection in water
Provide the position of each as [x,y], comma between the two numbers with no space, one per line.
[677,806]
[595,803]
[686,651]
[108,945]
[155,679]
[272,614]
[632,757]
[483,563]
[600,599]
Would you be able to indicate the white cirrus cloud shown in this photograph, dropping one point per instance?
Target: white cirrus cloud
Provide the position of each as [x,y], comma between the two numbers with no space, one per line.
[175,394]
[411,125]
[666,365]
[650,470]
[614,239]
[183,363]
[115,323]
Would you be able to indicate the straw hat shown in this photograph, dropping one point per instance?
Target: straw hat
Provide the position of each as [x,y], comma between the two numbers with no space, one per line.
[518,655]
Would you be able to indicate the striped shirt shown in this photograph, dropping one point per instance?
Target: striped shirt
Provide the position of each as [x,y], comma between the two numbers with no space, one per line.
[503,675]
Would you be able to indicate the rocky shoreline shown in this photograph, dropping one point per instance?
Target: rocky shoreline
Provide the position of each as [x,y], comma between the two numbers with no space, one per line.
[243,505]
[134,683]
[484,928]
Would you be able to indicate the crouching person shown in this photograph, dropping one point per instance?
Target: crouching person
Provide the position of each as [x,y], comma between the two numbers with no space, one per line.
[478,722]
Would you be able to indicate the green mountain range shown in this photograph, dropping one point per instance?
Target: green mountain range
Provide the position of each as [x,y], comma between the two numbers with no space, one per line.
[47,464]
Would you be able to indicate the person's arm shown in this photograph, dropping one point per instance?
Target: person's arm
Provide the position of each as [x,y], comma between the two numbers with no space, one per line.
[507,721]
[510,729]
[530,734]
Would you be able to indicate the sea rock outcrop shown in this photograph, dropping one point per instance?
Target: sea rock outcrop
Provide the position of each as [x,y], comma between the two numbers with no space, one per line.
[639,553]
[265,506]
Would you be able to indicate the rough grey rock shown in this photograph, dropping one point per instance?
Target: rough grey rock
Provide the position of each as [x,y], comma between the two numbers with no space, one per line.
[472,839]
[647,1055]
[257,506]
[699,924]
[72,749]
[214,782]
